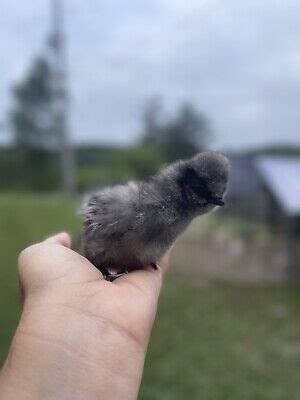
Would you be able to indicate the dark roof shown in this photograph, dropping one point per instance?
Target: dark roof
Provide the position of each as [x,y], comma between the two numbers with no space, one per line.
[244,180]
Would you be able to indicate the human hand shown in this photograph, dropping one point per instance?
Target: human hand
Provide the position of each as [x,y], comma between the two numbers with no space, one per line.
[80,337]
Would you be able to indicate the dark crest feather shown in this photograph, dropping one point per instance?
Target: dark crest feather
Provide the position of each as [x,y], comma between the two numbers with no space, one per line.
[190,179]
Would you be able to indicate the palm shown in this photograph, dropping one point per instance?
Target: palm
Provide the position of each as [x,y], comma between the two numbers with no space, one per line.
[127,305]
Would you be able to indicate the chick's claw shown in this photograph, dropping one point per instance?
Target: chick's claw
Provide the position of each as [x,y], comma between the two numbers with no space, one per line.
[111,277]
[155,266]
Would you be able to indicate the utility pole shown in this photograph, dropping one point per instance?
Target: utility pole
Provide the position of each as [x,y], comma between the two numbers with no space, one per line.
[61,99]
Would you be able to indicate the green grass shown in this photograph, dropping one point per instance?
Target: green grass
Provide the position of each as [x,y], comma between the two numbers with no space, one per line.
[211,342]
[24,219]
[222,342]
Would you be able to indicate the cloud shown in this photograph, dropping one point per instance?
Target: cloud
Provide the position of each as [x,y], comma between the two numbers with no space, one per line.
[238,61]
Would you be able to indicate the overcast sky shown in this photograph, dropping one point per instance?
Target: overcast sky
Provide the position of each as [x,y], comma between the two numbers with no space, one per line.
[238,61]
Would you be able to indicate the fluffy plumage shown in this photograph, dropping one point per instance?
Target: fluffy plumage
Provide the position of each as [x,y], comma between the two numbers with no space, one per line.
[131,226]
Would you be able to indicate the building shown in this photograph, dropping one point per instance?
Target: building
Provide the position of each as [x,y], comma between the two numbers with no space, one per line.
[281,179]
[266,188]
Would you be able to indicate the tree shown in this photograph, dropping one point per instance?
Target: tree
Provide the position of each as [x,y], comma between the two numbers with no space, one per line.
[33,124]
[32,115]
[179,137]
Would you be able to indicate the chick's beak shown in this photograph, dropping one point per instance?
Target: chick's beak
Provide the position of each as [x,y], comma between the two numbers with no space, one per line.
[218,201]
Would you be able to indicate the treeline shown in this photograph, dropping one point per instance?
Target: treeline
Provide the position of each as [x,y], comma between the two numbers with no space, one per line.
[100,166]
[96,166]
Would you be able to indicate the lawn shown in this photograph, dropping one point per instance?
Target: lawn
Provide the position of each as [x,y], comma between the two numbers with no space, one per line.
[210,342]
[24,219]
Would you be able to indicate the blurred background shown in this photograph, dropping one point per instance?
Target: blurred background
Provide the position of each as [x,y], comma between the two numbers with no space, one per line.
[95,93]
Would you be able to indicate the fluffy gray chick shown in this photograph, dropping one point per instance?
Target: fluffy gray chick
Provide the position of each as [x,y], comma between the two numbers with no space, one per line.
[131,226]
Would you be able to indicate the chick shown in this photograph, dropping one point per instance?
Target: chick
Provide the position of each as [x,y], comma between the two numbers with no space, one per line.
[131,226]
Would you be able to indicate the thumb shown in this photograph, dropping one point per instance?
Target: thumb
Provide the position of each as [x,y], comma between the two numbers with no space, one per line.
[33,261]
[52,262]
[62,238]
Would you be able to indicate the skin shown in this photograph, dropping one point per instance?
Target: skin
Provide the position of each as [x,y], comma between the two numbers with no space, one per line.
[79,337]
